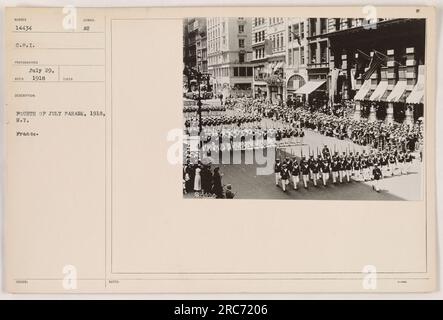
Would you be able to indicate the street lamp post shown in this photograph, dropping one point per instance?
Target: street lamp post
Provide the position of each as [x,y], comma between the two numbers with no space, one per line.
[197,75]
[199,104]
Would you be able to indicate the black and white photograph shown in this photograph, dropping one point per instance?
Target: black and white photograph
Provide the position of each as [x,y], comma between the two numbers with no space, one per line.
[303,108]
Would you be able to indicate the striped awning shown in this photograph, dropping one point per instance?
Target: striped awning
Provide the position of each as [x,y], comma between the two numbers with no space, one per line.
[310,86]
[418,92]
[397,92]
[361,93]
[378,93]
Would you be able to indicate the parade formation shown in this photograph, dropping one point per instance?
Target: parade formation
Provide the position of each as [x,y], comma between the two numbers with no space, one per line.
[251,124]
[303,108]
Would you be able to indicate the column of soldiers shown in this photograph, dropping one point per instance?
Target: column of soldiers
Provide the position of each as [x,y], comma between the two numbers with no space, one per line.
[345,168]
[375,134]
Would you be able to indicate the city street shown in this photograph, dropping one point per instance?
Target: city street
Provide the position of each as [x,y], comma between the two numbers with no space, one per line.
[288,79]
[249,185]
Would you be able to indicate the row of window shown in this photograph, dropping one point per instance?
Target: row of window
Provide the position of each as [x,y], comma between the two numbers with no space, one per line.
[214,33]
[259,53]
[296,56]
[223,58]
[277,42]
[242,71]
[259,36]
[236,72]
[296,31]
[337,24]
[221,72]
[214,21]
[214,45]
[275,20]
[202,54]
[259,21]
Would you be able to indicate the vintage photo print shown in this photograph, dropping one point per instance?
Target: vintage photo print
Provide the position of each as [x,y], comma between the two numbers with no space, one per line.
[303,108]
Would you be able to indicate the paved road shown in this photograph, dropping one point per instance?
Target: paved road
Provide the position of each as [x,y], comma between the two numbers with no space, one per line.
[249,185]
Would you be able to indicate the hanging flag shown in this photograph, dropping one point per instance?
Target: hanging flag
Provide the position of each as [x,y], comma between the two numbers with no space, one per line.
[362,60]
[353,78]
[376,61]
[296,37]
[333,85]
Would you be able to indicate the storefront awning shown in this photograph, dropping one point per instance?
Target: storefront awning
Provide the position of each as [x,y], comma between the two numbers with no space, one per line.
[364,89]
[310,86]
[418,92]
[379,91]
[397,92]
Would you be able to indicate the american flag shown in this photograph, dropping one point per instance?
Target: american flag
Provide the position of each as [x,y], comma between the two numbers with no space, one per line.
[376,61]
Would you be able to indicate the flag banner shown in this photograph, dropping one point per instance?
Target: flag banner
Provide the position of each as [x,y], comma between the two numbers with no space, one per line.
[376,61]
[353,79]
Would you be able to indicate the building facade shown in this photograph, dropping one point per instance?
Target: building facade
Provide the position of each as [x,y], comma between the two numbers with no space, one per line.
[194,48]
[229,55]
[276,58]
[259,56]
[201,48]
[297,53]
[269,43]
[377,65]
[380,66]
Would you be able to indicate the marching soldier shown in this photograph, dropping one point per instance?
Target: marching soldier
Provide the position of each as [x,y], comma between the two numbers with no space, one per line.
[392,164]
[315,168]
[401,162]
[284,177]
[342,171]
[378,175]
[305,171]
[335,168]
[364,168]
[295,173]
[325,151]
[325,170]
[348,168]
[310,160]
[384,164]
[370,164]
[357,168]
[289,164]
[408,161]
[277,170]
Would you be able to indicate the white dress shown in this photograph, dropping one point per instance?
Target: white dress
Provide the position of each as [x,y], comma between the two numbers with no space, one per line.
[197,180]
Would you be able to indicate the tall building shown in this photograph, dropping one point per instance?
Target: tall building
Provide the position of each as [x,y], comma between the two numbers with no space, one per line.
[269,57]
[229,55]
[259,56]
[192,27]
[194,47]
[308,60]
[380,66]
[201,48]
[297,53]
[276,58]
